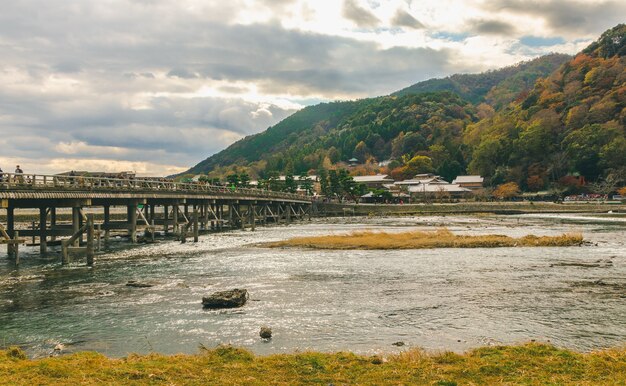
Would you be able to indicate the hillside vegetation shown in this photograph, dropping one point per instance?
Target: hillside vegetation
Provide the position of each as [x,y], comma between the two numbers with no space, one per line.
[536,124]
[573,121]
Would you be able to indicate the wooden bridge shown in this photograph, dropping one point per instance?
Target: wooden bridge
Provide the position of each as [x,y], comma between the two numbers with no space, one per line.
[151,206]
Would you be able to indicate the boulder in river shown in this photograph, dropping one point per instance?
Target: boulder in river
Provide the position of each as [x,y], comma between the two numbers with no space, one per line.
[266,332]
[226,299]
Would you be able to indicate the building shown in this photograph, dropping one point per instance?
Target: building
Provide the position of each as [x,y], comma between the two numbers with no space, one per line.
[430,185]
[421,179]
[375,182]
[470,182]
[353,162]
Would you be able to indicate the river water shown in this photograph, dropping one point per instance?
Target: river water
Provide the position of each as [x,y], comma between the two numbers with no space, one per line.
[360,301]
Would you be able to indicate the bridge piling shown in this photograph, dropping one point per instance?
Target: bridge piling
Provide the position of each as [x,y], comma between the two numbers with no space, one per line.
[132,222]
[90,237]
[76,224]
[252,210]
[53,222]
[107,220]
[165,219]
[195,225]
[43,217]
[175,210]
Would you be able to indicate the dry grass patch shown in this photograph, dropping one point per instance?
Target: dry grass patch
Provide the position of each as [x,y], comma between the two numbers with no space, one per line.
[441,238]
[531,364]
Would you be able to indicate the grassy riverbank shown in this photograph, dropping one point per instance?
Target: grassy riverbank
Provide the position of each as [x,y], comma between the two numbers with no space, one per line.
[441,238]
[532,363]
[467,207]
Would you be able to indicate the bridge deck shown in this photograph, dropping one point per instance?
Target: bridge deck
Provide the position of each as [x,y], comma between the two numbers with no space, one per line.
[46,187]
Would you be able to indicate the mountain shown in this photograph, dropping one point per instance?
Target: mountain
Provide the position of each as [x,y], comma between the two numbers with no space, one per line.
[496,87]
[572,122]
[534,123]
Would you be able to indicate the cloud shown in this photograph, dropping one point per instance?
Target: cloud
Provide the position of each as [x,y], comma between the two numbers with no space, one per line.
[359,15]
[491,27]
[405,19]
[567,15]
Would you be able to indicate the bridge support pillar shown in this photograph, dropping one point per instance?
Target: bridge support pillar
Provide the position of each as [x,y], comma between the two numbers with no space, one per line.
[252,210]
[220,216]
[53,221]
[151,215]
[76,224]
[132,222]
[43,218]
[240,217]
[166,210]
[90,237]
[195,224]
[107,219]
[288,209]
[11,248]
[175,218]
[264,214]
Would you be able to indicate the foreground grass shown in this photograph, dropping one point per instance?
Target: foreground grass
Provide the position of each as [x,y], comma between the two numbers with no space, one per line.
[441,238]
[534,364]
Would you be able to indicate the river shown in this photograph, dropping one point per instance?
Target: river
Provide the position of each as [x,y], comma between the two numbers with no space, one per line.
[359,301]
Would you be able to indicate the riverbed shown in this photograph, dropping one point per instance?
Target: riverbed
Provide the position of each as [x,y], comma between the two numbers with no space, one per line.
[359,301]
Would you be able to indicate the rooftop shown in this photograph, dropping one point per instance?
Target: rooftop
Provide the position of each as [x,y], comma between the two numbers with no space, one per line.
[468,179]
[376,178]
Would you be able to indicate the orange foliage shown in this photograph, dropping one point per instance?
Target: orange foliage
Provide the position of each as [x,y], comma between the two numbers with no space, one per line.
[508,190]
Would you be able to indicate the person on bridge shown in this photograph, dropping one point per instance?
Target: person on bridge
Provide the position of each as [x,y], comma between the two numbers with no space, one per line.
[18,174]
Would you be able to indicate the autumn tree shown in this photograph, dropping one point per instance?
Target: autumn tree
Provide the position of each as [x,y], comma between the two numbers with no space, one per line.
[506,191]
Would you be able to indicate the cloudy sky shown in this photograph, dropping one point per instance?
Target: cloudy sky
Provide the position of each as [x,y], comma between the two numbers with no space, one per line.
[155,86]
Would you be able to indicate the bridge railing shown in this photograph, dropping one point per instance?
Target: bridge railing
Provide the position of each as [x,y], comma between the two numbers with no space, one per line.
[13,181]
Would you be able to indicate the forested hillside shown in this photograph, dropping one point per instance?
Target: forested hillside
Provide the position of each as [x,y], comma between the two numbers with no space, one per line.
[570,123]
[497,87]
[533,124]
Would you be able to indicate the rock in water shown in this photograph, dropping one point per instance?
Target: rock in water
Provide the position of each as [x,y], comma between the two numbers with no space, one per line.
[266,332]
[138,284]
[226,299]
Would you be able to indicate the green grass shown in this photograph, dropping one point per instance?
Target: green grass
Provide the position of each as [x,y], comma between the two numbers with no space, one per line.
[529,364]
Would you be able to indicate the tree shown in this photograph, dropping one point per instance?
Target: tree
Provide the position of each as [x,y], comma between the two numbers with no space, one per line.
[324,184]
[233,179]
[605,186]
[306,184]
[244,180]
[290,184]
[506,191]
[334,183]
[360,151]
[272,182]
[491,153]
[420,164]
[584,147]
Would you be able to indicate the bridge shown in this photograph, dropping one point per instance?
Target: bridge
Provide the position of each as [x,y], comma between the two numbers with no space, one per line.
[149,205]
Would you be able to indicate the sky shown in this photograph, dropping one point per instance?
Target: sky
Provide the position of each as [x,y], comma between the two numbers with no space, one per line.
[156,86]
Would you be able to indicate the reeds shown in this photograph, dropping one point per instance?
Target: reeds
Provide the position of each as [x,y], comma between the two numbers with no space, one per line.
[442,238]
